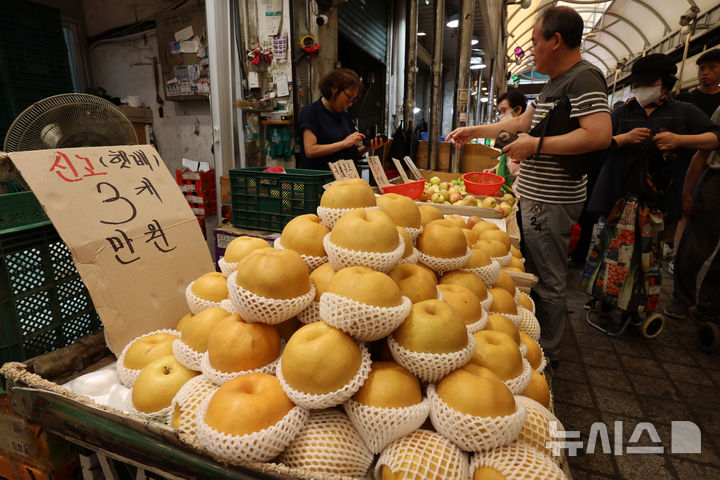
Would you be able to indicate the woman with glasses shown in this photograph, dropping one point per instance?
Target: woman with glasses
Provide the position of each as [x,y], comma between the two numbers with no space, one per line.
[327,132]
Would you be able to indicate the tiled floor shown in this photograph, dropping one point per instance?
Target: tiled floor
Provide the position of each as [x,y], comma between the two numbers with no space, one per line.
[632,380]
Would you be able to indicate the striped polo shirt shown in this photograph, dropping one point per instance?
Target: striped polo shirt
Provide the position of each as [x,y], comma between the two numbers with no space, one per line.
[543,179]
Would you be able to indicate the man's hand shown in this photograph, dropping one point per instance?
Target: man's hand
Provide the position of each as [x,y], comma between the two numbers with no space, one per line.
[522,148]
[666,140]
[637,135]
[353,139]
[460,136]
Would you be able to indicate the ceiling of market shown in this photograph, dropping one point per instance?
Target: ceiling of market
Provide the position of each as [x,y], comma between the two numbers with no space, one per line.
[616,31]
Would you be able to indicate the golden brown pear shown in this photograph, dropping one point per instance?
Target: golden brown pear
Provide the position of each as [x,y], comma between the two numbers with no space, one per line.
[320,277]
[463,301]
[494,248]
[467,279]
[365,231]
[350,193]
[505,282]
[389,386]
[442,239]
[415,282]
[498,235]
[402,210]
[211,286]
[195,332]
[236,346]
[534,352]
[247,404]
[365,285]
[478,258]
[305,234]
[407,241]
[272,273]
[503,324]
[320,359]
[428,213]
[476,395]
[503,302]
[498,352]
[432,327]
[538,390]
[242,246]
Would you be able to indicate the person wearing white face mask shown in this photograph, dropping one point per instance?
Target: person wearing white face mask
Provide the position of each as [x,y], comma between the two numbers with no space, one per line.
[511,104]
[658,129]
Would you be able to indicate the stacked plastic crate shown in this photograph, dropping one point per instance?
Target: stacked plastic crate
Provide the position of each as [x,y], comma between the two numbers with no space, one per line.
[200,192]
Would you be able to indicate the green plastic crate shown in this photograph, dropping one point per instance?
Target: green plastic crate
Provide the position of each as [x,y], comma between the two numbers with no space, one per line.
[19,211]
[268,201]
[44,304]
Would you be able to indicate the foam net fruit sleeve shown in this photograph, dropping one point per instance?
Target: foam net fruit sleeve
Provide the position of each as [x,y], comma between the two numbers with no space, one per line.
[518,384]
[504,261]
[516,318]
[442,265]
[260,446]
[414,258]
[431,367]
[195,303]
[540,428]
[227,267]
[327,400]
[310,314]
[187,402]
[272,311]
[329,443]
[488,273]
[414,233]
[424,455]
[473,433]
[186,355]
[329,216]
[129,375]
[311,262]
[528,323]
[161,416]
[528,297]
[340,257]
[518,461]
[219,377]
[363,322]
[380,426]
[480,324]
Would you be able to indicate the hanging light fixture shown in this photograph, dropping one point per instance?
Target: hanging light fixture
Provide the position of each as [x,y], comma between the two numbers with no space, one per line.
[453,21]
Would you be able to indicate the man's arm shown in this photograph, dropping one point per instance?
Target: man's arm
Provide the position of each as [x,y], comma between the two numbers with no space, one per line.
[594,133]
[462,135]
[672,141]
[697,165]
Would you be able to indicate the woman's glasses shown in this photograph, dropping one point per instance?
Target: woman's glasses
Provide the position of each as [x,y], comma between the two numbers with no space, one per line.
[350,98]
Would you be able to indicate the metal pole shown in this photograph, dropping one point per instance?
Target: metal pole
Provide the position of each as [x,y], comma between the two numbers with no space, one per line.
[410,63]
[463,75]
[684,57]
[478,120]
[491,90]
[437,87]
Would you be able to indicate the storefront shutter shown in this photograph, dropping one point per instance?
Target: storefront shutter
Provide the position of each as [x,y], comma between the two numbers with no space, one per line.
[365,23]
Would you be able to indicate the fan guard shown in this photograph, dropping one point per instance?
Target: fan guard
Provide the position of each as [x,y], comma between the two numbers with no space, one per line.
[69,120]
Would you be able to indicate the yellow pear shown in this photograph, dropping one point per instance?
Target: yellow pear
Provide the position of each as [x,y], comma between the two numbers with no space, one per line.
[365,231]
[493,248]
[467,279]
[428,213]
[305,234]
[389,386]
[211,286]
[442,239]
[236,346]
[242,246]
[503,324]
[505,282]
[147,349]
[476,395]
[534,352]
[415,282]
[158,383]
[402,210]
[365,285]
[498,235]
[432,327]
[503,302]
[350,193]
[481,226]
[538,389]
[272,273]
[320,277]
[247,404]
[320,359]
[196,331]
[463,301]
[498,352]
[478,259]
[407,241]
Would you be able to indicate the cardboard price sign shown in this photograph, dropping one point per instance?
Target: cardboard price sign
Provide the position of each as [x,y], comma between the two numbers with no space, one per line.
[133,237]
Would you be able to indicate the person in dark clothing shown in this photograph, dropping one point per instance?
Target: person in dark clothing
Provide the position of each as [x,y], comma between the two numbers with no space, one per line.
[707,96]
[327,132]
[697,263]
[653,128]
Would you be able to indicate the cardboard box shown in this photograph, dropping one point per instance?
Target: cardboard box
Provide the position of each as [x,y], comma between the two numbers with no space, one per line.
[475,157]
[227,233]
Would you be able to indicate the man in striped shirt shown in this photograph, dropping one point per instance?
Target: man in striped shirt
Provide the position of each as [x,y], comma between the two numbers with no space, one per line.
[551,197]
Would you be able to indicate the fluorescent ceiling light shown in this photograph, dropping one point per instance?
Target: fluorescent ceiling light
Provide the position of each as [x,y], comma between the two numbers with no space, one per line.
[421,34]
[453,21]
[416,110]
[477,66]
[474,41]
[484,99]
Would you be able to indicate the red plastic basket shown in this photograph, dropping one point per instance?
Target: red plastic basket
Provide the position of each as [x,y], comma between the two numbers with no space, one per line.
[483,183]
[410,189]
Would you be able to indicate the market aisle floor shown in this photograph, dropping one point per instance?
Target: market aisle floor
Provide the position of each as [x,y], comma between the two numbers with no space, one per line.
[631,380]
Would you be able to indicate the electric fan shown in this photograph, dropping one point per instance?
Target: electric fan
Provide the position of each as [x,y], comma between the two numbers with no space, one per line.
[66,121]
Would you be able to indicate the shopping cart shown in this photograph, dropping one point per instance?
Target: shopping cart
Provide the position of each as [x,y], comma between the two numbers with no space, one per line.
[623,270]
